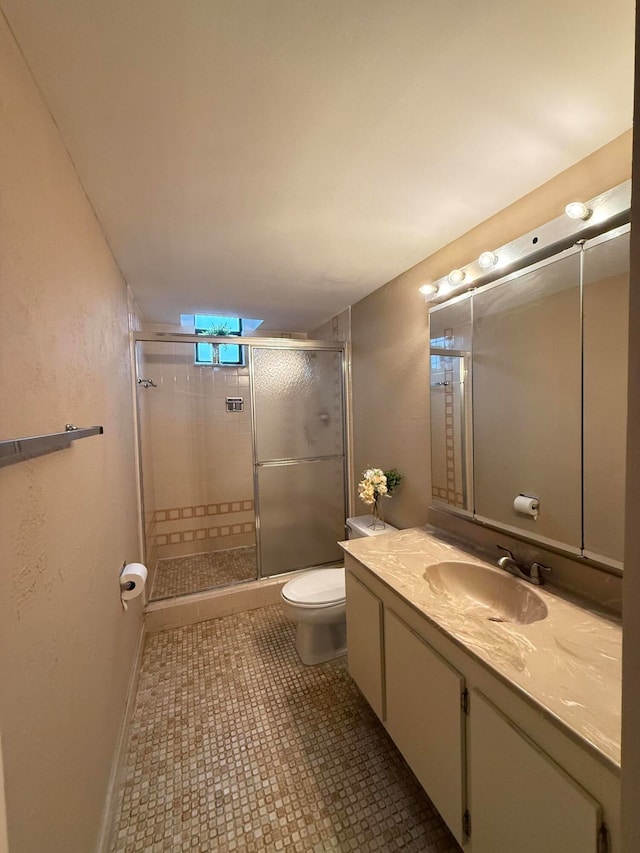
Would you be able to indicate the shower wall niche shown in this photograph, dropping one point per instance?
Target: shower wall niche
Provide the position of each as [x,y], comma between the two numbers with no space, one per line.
[242,467]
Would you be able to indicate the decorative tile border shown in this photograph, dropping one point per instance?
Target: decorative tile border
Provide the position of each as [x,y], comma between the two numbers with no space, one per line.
[201,533]
[201,510]
[450,494]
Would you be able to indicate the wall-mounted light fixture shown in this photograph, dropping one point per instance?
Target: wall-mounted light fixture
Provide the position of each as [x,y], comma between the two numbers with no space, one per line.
[456,277]
[488,260]
[578,210]
[580,219]
[428,290]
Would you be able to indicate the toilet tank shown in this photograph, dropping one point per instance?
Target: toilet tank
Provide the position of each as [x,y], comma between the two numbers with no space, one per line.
[359,526]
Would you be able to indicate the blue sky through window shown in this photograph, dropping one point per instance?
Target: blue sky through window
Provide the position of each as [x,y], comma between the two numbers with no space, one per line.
[228,354]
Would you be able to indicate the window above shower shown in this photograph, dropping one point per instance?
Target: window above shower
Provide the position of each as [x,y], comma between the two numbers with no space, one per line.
[219,355]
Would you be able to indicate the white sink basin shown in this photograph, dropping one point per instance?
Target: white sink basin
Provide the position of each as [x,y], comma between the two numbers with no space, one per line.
[504,598]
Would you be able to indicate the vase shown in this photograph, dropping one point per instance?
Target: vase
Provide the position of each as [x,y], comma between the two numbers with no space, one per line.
[378,515]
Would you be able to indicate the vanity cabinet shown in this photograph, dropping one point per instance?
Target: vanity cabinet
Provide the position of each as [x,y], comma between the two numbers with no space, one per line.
[503,775]
[424,696]
[520,798]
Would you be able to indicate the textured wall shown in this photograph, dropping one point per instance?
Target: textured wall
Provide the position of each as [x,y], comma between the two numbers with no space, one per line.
[390,341]
[631,586]
[69,518]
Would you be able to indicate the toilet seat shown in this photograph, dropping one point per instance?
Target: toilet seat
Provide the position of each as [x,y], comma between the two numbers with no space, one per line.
[317,588]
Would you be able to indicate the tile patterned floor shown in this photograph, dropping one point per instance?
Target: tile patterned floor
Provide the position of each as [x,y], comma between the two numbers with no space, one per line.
[236,746]
[198,572]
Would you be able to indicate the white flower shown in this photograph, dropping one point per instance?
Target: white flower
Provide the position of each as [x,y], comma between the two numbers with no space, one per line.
[372,485]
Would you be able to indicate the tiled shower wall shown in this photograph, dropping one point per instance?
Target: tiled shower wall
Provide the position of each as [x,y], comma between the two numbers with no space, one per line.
[197,457]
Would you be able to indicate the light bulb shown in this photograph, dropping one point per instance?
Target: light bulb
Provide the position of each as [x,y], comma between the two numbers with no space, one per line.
[488,260]
[428,289]
[577,210]
[456,277]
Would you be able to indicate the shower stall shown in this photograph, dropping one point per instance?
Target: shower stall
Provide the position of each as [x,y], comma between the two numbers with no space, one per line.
[242,461]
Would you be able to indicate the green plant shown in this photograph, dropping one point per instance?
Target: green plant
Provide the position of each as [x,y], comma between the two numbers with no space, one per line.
[220,331]
[394,478]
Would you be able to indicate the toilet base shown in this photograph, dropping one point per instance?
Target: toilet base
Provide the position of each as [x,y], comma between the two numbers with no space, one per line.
[321,643]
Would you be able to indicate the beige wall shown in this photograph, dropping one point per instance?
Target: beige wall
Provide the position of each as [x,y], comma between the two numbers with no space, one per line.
[390,341]
[69,519]
[631,614]
[337,328]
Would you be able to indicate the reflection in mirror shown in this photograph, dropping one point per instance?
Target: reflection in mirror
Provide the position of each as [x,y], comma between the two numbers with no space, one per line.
[527,401]
[450,398]
[605,305]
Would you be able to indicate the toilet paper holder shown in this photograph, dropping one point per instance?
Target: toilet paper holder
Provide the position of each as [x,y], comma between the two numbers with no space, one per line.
[529,505]
[132,580]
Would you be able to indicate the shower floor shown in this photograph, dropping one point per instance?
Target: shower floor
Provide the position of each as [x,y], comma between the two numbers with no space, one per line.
[236,746]
[199,572]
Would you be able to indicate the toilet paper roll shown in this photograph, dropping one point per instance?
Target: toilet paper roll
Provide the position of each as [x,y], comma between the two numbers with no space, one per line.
[527,505]
[132,580]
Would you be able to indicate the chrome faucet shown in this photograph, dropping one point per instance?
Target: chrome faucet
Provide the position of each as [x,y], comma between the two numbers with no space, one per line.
[532,573]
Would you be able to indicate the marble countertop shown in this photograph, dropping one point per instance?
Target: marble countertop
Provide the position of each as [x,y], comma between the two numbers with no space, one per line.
[568,663]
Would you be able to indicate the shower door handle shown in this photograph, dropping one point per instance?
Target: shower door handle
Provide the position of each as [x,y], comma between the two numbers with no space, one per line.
[270,462]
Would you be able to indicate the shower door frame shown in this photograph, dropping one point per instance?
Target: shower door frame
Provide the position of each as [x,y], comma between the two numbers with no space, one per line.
[342,347]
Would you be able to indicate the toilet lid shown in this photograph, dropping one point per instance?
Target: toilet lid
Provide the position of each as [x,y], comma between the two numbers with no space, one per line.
[320,586]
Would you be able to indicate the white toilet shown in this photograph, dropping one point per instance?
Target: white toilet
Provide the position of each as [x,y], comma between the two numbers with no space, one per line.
[316,601]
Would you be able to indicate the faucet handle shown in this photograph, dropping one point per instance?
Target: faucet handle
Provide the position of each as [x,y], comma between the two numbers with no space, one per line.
[537,569]
[507,552]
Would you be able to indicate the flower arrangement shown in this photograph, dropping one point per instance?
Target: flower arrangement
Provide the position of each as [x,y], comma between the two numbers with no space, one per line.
[375,484]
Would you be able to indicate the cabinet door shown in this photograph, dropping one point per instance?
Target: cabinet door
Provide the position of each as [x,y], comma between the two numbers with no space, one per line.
[425,717]
[520,799]
[364,642]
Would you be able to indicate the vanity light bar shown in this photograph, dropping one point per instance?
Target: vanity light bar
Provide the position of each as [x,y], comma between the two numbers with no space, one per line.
[580,221]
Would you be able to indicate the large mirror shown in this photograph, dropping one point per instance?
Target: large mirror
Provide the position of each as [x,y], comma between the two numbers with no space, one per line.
[528,400]
[606,338]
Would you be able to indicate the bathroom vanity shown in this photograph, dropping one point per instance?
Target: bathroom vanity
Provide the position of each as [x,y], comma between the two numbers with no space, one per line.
[503,697]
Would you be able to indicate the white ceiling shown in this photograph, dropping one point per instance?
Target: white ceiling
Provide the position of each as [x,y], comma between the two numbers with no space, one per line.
[283,158]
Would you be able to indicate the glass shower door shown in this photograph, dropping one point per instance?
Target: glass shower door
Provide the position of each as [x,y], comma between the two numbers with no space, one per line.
[299,456]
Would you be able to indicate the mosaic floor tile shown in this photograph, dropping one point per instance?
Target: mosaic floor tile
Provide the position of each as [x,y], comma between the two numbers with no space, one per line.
[199,572]
[236,746]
